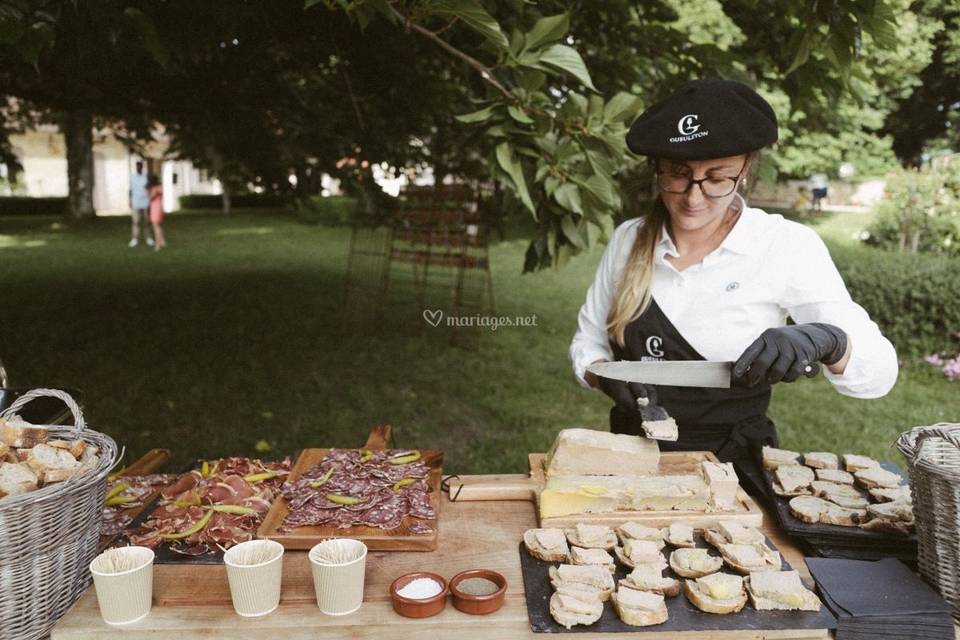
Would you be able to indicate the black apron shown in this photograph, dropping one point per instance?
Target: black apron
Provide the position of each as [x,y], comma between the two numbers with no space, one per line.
[732,423]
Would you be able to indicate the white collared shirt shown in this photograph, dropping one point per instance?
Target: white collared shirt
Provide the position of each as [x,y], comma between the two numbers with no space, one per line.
[767,268]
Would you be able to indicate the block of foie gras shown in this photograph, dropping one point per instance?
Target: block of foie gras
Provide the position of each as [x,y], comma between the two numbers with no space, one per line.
[577,452]
[563,496]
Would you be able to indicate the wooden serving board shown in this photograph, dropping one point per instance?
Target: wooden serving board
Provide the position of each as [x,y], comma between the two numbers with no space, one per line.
[522,487]
[145,465]
[400,539]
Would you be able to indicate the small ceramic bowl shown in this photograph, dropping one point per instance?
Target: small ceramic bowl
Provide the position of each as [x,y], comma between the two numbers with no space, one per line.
[478,605]
[424,608]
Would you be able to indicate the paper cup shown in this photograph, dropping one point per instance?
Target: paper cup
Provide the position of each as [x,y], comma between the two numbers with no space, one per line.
[338,569]
[254,571]
[124,583]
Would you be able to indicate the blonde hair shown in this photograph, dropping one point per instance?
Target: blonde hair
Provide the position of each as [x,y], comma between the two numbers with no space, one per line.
[633,293]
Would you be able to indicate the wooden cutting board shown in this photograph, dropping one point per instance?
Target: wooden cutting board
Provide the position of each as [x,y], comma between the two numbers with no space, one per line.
[145,465]
[400,539]
[528,487]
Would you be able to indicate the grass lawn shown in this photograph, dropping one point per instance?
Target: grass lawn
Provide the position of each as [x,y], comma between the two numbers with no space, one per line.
[235,335]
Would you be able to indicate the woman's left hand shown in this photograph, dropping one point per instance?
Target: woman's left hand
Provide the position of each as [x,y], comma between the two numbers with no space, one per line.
[785,353]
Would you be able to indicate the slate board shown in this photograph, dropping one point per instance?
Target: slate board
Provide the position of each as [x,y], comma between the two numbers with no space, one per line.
[683,616]
[833,535]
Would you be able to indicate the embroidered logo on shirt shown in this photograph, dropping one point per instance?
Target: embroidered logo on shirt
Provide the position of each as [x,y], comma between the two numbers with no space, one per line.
[733,286]
[654,344]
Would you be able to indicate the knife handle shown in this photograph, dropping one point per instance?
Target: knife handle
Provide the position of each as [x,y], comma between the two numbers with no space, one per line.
[811,371]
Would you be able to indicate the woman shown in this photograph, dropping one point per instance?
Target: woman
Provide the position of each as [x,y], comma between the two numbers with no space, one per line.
[156,211]
[706,277]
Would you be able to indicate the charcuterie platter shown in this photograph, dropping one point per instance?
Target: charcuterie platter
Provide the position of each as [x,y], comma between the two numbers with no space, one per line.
[387,498]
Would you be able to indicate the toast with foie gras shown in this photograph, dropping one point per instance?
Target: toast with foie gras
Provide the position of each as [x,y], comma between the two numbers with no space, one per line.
[635,531]
[834,475]
[725,532]
[720,593]
[853,462]
[773,458]
[792,480]
[591,536]
[843,495]
[547,544]
[17,433]
[694,563]
[780,590]
[747,558]
[821,460]
[635,553]
[680,535]
[639,608]
[877,478]
[649,578]
[569,610]
[583,581]
[593,557]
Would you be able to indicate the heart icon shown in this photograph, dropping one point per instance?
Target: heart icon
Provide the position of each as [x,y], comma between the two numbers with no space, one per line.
[433,316]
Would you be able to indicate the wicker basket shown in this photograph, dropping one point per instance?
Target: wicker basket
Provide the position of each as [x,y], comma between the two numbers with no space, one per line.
[933,454]
[48,537]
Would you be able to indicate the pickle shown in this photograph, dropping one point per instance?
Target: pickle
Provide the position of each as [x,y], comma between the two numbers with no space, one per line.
[205,469]
[407,459]
[192,501]
[118,500]
[235,509]
[117,490]
[345,500]
[116,474]
[400,484]
[322,480]
[260,477]
[197,528]
[365,455]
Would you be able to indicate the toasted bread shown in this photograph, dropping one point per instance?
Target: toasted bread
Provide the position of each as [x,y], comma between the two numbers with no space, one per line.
[583,577]
[821,460]
[794,479]
[808,508]
[897,494]
[842,516]
[640,552]
[882,525]
[732,532]
[593,557]
[17,433]
[639,608]
[780,590]
[747,558]
[651,579]
[591,536]
[720,593]
[838,476]
[569,611]
[694,563]
[547,544]
[877,478]
[774,458]
[680,535]
[635,531]
[840,494]
[17,478]
[901,511]
[853,462]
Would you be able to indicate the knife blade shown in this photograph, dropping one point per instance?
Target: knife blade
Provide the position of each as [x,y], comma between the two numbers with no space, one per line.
[672,373]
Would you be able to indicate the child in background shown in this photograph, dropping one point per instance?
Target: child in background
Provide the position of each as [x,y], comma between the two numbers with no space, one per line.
[156,211]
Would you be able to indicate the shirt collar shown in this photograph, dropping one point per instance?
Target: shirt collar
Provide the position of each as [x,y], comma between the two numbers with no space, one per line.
[742,239]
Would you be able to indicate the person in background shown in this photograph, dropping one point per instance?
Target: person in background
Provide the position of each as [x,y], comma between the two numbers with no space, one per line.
[155,192]
[818,187]
[139,202]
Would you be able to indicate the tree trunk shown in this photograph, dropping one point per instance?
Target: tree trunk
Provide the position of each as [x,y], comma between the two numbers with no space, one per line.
[78,133]
[225,197]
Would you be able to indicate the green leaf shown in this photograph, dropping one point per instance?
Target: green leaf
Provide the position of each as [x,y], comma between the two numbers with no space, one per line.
[530,79]
[621,107]
[571,232]
[549,29]
[802,53]
[476,17]
[601,188]
[312,3]
[509,163]
[566,59]
[152,41]
[568,197]
[477,116]
[519,114]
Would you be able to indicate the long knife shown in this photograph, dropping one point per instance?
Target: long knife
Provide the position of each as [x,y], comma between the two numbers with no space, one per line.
[674,373]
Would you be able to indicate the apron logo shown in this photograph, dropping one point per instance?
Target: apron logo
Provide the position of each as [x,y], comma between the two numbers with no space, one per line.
[654,344]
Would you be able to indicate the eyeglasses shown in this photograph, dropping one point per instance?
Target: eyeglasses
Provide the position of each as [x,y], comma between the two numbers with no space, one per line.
[711,186]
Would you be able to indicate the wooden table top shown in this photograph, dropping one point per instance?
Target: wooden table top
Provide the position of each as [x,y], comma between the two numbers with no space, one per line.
[193,601]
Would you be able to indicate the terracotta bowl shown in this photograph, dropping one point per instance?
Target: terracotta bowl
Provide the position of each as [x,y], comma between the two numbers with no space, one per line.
[425,608]
[478,605]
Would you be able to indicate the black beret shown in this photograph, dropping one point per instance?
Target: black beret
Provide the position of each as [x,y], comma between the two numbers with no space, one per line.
[704,119]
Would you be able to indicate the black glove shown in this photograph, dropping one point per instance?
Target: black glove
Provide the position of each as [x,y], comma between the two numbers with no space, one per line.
[785,353]
[625,394]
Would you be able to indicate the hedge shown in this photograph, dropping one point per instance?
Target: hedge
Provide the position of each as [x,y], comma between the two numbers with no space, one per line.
[915,298]
[237,201]
[24,205]
[330,211]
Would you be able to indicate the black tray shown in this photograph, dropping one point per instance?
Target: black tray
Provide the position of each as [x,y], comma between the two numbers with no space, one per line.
[834,534]
[683,616]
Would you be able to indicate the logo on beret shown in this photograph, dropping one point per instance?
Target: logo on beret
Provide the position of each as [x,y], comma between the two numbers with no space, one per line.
[689,129]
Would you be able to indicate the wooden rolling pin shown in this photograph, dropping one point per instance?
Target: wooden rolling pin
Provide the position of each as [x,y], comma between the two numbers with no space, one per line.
[513,486]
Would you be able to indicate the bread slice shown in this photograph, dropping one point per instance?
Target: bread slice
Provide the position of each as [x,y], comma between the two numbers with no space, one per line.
[902,511]
[651,579]
[774,458]
[840,494]
[808,508]
[547,544]
[747,558]
[780,590]
[821,460]
[592,536]
[17,433]
[594,578]
[4,450]
[732,532]
[17,478]
[640,552]
[842,516]
[594,557]
[853,462]
[794,478]
[897,494]
[75,447]
[635,531]
[639,608]
[838,476]
[680,535]
[882,525]
[694,563]
[877,478]
[569,611]
[53,464]
[720,593]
